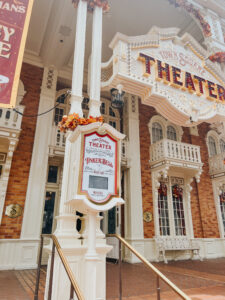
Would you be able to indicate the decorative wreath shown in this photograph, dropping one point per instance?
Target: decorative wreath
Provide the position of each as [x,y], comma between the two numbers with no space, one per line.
[70,122]
[92,3]
[177,191]
[222,197]
[162,189]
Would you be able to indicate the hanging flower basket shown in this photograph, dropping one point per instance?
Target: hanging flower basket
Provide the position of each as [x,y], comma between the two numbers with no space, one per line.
[70,122]
[195,12]
[92,3]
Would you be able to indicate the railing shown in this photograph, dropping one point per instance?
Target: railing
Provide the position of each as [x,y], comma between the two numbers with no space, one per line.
[174,150]
[159,275]
[216,163]
[11,119]
[73,287]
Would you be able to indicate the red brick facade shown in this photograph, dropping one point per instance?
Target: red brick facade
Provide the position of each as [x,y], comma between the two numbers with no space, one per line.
[31,77]
[205,223]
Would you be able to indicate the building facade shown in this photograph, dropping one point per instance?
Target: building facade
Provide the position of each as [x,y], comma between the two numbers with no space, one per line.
[173,171]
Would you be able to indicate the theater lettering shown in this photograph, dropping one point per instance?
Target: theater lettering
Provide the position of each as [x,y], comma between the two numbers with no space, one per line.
[181,79]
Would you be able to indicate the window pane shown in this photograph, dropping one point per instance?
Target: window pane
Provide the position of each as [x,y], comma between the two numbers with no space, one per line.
[52,174]
[164,226]
[178,210]
[212,146]
[102,108]
[85,103]
[111,112]
[48,213]
[171,133]
[222,207]
[59,112]
[62,99]
[112,221]
[157,133]
[113,124]
[222,146]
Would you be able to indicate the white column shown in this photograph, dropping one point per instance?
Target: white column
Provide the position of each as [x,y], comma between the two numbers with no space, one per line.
[91,259]
[32,219]
[78,63]
[134,207]
[95,69]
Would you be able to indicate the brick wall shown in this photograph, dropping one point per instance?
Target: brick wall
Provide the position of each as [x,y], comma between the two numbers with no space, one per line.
[205,190]
[18,179]
[204,217]
[146,112]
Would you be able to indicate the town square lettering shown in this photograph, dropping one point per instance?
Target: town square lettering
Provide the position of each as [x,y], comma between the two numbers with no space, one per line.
[182,79]
[182,59]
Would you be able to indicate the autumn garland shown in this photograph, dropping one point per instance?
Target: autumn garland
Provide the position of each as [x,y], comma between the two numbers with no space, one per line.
[191,9]
[217,57]
[70,122]
[92,3]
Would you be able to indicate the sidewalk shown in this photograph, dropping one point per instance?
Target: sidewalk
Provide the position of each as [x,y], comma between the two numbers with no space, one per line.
[200,280]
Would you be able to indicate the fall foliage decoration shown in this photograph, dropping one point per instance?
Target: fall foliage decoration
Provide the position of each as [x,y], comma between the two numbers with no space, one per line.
[195,12]
[70,122]
[218,57]
[92,3]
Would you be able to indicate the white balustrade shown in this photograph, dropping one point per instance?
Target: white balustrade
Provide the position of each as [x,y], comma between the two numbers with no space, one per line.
[174,150]
[216,163]
[11,119]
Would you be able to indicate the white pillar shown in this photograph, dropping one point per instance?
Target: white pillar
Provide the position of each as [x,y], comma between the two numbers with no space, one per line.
[78,63]
[134,232]
[91,259]
[38,171]
[95,69]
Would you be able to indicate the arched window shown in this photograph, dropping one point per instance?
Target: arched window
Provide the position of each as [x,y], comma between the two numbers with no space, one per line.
[171,133]
[157,133]
[222,146]
[111,112]
[212,146]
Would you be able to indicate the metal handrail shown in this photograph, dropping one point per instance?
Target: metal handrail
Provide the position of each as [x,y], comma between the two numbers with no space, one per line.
[150,266]
[74,285]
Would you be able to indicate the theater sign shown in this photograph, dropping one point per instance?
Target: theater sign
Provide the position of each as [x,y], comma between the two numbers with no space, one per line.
[171,73]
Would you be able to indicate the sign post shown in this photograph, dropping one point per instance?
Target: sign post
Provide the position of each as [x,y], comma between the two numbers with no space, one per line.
[94,187]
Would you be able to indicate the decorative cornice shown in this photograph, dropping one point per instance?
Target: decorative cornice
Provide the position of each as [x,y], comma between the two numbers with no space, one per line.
[92,3]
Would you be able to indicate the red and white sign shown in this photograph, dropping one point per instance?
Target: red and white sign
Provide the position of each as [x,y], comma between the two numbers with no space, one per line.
[14,22]
[99,167]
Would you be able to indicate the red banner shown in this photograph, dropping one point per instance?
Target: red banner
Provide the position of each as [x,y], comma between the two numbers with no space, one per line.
[14,22]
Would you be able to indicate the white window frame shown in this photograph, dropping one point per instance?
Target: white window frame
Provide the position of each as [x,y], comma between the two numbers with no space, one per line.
[164,124]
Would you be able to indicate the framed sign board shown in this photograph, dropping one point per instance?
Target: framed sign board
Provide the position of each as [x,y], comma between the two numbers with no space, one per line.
[98,178]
